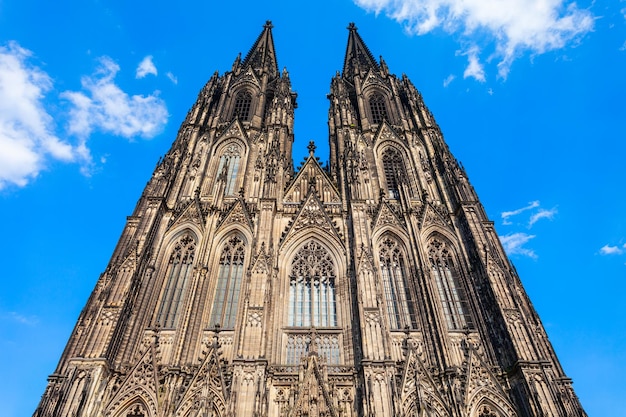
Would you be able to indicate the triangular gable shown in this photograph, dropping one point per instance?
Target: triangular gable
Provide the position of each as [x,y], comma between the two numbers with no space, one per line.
[238,214]
[190,214]
[365,260]
[207,383]
[313,389]
[432,216]
[374,78]
[481,382]
[129,263]
[248,77]
[235,130]
[142,382]
[311,214]
[261,262]
[418,388]
[386,216]
[311,176]
[385,132]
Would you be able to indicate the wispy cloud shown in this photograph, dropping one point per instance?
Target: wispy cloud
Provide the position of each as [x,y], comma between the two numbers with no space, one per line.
[448,80]
[542,214]
[172,77]
[612,250]
[506,214]
[146,66]
[513,27]
[20,318]
[27,131]
[474,67]
[513,244]
[104,106]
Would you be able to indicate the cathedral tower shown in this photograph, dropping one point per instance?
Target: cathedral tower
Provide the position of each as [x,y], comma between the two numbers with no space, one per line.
[375,286]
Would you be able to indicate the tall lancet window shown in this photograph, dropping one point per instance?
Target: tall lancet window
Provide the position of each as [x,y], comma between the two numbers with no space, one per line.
[243,103]
[400,309]
[451,293]
[229,168]
[394,171]
[229,279]
[312,288]
[378,108]
[178,274]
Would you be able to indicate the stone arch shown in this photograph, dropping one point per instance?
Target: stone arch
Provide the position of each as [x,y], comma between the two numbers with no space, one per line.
[333,286]
[392,150]
[375,91]
[432,403]
[136,403]
[244,88]
[393,258]
[448,279]
[194,406]
[487,403]
[228,160]
[185,236]
[229,263]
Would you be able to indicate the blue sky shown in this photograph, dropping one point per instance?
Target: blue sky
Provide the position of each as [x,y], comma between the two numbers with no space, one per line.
[530,95]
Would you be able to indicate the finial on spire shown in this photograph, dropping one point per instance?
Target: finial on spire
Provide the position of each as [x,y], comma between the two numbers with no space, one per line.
[268,24]
[311,147]
[352,27]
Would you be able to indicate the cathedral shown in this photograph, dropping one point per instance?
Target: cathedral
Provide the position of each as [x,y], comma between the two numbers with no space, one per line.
[243,286]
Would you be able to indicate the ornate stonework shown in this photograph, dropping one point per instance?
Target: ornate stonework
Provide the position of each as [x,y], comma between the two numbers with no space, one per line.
[373,287]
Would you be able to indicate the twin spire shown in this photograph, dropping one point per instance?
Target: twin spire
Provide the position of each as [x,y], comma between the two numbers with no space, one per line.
[262,55]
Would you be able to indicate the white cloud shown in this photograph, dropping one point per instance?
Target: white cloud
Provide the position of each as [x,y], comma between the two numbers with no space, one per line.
[612,250]
[506,214]
[448,80]
[542,214]
[513,244]
[172,77]
[19,318]
[474,67]
[27,138]
[103,105]
[513,26]
[146,66]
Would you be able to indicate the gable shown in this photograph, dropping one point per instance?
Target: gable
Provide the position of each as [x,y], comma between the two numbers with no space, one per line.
[312,177]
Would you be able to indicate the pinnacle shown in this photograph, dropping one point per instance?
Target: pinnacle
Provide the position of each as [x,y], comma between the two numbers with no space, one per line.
[262,55]
[358,56]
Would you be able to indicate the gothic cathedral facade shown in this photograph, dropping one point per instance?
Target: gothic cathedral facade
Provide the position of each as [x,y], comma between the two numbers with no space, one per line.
[375,286]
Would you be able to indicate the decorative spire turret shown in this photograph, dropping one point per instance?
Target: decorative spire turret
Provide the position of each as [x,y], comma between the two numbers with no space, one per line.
[358,56]
[262,55]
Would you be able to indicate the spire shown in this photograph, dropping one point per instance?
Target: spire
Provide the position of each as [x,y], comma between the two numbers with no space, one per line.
[262,55]
[358,54]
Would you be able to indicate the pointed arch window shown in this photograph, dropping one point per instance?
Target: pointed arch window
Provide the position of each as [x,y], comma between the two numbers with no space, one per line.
[451,293]
[230,274]
[178,273]
[400,308]
[228,168]
[243,103]
[393,166]
[378,108]
[312,288]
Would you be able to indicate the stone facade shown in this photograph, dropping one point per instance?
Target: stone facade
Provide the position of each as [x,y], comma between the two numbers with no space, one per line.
[375,286]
